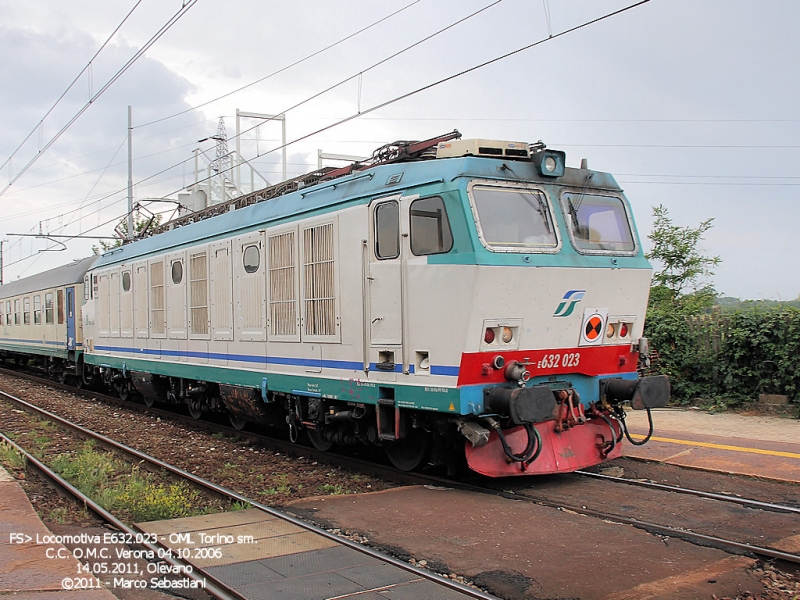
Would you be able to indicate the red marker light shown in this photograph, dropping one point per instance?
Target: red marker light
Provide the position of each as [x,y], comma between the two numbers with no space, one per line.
[488,337]
[623,330]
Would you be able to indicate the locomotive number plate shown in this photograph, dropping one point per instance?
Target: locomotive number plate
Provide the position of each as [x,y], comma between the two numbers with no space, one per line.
[553,361]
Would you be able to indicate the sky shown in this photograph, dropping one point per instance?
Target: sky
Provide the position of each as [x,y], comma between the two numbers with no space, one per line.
[691,105]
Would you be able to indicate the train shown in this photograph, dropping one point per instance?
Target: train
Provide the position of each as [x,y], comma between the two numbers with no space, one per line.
[452,301]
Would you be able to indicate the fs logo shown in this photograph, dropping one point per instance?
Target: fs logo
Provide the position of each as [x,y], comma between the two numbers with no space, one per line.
[567,305]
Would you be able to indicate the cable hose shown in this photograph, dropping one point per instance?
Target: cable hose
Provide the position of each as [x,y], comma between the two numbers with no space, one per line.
[527,455]
[538,446]
[649,433]
[614,439]
[621,420]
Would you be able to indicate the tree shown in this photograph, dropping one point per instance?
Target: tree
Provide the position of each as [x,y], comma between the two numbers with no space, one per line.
[681,280]
[138,225]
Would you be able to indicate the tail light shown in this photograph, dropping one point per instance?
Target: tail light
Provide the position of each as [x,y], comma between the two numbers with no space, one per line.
[488,337]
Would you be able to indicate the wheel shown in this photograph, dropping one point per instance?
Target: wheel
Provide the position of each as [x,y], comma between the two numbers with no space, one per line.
[149,401]
[123,391]
[409,453]
[318,440]
[237,422]
[194,412]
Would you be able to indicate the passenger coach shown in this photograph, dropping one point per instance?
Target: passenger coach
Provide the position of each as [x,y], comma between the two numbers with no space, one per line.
[39,319]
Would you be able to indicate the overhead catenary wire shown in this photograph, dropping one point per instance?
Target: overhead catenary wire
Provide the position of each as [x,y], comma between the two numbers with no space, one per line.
[371,67]
[330,46]
[186,6]
[441,81]
[74,81]
[350,78]
[282,69]
[429,86]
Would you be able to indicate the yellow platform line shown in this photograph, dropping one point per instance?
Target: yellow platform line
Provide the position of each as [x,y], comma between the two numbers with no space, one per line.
[720,446]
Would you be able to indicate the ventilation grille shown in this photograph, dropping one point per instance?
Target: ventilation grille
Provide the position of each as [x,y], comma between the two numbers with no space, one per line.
[198,293]
[140,301]
[282,287]
[319,291]
[157,321]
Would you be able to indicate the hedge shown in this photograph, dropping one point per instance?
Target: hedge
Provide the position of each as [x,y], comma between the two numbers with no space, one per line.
[733,355]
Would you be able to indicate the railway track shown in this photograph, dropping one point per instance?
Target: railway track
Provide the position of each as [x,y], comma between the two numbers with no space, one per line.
[544,495]
[769,506]
[215,587]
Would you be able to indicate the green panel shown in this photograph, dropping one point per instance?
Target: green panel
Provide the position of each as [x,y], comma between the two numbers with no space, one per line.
[39,350]
[439,399]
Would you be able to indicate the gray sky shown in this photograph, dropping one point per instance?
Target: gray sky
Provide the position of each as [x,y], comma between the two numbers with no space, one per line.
[692,105]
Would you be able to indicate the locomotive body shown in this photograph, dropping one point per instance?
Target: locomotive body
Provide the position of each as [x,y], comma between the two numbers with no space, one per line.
[486,303]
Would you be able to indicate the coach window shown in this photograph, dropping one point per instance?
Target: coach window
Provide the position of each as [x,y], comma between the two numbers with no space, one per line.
[126,281]
[430,229]
[37,310]
[17,312]
[177,272]
[8,312]
[26,311]
[48,308]
[251,259]
[387,230]
[60,306]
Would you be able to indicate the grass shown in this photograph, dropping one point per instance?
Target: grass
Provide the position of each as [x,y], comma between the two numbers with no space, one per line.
[333,489]
[280,486]
[10,457]
[124,489]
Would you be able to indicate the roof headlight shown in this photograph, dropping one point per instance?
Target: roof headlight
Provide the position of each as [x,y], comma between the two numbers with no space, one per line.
[550,163]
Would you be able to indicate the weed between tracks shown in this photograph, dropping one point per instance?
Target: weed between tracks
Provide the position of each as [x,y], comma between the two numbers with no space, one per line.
[120,487]
[124,489]
[10,458]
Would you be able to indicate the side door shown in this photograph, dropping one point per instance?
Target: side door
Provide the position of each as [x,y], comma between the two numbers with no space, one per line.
[71,341]
[385,284]
[385,274]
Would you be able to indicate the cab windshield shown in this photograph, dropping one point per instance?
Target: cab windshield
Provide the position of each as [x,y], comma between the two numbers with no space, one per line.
[598,223]
[512,218]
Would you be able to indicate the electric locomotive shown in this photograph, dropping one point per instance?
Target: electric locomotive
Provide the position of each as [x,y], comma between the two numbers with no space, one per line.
[446,300]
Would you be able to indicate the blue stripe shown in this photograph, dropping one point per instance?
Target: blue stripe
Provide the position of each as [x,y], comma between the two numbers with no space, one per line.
[270,360]
[443,370]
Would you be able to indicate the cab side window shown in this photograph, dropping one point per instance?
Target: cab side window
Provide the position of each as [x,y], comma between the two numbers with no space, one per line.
[430,228]
[387,230]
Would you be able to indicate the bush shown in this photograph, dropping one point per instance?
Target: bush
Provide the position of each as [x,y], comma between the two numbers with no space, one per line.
[735,355]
